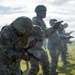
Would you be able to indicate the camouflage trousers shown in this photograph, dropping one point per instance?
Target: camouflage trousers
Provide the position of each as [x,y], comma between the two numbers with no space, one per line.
[10,69]
[54,53]
[63,52]
[43,62]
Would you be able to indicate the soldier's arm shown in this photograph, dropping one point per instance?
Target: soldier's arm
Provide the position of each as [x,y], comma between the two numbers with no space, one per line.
[49,32]
[7,44]
[5,37]
[67,34]
[64,37]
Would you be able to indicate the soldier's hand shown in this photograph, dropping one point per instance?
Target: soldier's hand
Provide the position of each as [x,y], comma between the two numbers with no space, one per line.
[25,57]
[57,25]
[70,37]
[70,42]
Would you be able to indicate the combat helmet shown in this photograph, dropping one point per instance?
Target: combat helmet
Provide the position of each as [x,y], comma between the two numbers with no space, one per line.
[22,24]
[65,25]
[40,8]
[52,21]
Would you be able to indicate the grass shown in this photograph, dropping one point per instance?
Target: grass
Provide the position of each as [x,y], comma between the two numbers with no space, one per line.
[68,69]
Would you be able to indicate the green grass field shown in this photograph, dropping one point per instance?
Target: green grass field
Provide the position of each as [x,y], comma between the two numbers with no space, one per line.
[68,69]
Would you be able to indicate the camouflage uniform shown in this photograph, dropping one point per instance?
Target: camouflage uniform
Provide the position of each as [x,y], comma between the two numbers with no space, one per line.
[39,49]
[63,50]
[54,43]
[53,47]
[13,39]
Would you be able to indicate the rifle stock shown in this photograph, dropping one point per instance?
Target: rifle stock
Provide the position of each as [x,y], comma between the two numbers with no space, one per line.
[30,54]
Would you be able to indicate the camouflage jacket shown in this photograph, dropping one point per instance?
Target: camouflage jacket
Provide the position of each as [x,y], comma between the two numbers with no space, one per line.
[49,31]
[38,21]
[13,44]
[54,39]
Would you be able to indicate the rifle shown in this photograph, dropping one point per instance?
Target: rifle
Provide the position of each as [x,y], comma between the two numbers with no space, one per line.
[25,50]
[70,37]
[30,54]
[31,45]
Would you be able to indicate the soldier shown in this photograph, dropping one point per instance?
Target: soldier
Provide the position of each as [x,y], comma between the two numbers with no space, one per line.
[13,40]
[53,47]
[39,49]
[64,41]
[38,20]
